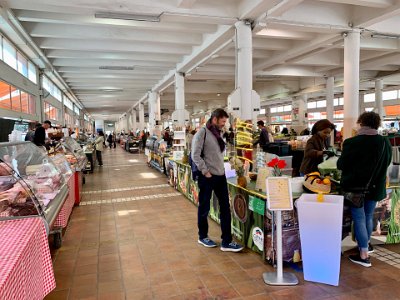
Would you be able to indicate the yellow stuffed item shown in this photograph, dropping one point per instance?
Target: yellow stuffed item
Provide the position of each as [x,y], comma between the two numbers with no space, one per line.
[315,183]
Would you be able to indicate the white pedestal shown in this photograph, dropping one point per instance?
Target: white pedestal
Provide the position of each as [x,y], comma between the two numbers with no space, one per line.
[320,234]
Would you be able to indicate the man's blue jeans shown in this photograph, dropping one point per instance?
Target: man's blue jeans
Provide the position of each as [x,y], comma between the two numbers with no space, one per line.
[363,223]
[219,185]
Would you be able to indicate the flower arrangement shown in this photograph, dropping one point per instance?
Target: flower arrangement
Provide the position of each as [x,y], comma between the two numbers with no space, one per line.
[237,164]
[277,164]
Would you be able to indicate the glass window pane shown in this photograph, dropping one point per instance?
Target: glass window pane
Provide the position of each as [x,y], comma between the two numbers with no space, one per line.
[32,72]
[32,105]
[24,102]
[312,104]
[392,110]
[22,64]
[369,97]
[262,112]
[273,109]
[369,109]
[335,102]
[9,54]
[389,95]
[321,103]
[5,95]
[1,48]
[280,109]
[341,101]
[287,108]
[15,99]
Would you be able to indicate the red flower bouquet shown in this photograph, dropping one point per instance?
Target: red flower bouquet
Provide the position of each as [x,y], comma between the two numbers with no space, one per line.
[277,164]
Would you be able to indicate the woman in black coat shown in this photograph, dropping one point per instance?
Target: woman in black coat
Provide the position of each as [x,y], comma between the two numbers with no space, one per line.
[365,156]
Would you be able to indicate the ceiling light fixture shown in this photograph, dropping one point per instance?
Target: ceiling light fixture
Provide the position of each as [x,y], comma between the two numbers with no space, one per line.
[199,101]
[219,94]
[385,36]
[117,68]
[131,17]
[111,90]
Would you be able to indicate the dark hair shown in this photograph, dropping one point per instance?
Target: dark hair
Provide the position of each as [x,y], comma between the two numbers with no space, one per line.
[370,119]
[38,125]
[193,132]
[219,113]
[261,123]
[47,122]
[101,133]
[321,125]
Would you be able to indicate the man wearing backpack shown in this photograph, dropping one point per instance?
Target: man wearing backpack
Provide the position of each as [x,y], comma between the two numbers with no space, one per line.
[208,155]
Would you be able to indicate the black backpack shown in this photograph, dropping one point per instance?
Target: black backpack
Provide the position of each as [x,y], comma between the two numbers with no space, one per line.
[195,171]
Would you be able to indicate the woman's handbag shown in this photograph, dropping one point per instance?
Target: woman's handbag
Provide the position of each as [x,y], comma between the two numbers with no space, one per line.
[356,197]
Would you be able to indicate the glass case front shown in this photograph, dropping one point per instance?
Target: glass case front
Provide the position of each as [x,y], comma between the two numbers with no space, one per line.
[74,153]
[29,180]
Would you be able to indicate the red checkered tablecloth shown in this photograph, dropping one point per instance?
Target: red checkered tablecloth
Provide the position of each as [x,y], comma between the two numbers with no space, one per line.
[63,216]
[26,270]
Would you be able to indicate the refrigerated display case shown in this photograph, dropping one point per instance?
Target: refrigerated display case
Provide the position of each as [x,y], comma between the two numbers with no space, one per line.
[31,185]
[77,158]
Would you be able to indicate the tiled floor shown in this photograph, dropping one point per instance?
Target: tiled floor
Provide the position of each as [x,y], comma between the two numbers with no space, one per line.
[143,246]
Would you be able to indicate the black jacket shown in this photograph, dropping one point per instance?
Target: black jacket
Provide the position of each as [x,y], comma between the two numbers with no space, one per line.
[311,158]
[40,136]
[359,158]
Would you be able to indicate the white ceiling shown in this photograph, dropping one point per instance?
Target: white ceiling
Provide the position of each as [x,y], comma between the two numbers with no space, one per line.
[295,45]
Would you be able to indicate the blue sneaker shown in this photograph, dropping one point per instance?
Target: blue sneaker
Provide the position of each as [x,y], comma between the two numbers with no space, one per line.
[232,247]
[206,242]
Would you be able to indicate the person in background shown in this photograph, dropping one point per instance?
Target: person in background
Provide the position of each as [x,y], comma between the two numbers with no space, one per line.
[316,147]
[40,133]
[114,139]
[143,136]
[305,131]
[189,139]
[208,154]
[264,137]
[362,155]
[293,132]
[30,135]
[285,131]
[99,147]
[110,140]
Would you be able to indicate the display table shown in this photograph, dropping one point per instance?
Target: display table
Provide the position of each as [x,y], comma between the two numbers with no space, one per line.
[26,270]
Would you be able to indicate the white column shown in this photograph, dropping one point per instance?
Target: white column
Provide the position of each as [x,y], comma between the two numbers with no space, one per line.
[330,81]
[128,121]
[141,116]
[351,81]
[133,122]
[244,68]
[179,91]
[299,110]
[154,109]
[378,98]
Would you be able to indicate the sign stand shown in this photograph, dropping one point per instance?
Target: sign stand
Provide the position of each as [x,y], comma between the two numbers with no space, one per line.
[279,197]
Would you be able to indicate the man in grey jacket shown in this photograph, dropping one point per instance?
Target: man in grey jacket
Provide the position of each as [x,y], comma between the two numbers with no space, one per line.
[207,153]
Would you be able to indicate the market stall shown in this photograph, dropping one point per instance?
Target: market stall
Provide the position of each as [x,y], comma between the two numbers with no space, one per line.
[31,185]
[26,270]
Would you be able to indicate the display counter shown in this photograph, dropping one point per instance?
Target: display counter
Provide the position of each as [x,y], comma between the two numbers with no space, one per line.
[26,270]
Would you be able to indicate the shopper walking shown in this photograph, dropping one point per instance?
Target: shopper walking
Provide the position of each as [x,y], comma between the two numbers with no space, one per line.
[317,146]
[263,140]
[99,147]
[207,153]
[39,138]
[110,140]
[365,158]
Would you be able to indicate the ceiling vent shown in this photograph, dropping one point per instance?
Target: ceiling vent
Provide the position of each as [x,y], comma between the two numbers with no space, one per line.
[117,68]
[131,17]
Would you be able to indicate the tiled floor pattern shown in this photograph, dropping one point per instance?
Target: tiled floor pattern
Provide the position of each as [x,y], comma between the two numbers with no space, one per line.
[387,256]
[132,188]
[147,249]
[117,200]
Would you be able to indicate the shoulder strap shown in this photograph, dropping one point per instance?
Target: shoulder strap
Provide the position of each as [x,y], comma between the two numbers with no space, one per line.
[376,165]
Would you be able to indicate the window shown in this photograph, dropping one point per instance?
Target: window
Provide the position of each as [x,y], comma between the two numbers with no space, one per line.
[24,102]
[338,101]
[68,103]
[76,110]
[314,116]
[321,103]
[338,114]
[280,109]
[369,109]
[32,105]
[311,105]
[50,111]
[32,72]
[389,95]
[392,110]
[5,95]
[262,111]
[15,99]
[9,54]
[46,83]
[273,110]
[22,64]
[287,108]
[369,97]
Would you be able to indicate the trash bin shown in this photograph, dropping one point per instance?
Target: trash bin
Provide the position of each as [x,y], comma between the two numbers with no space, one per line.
[320,226]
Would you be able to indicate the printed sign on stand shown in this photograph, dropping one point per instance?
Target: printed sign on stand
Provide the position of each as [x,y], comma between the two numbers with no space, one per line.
[262,175]
[279,198]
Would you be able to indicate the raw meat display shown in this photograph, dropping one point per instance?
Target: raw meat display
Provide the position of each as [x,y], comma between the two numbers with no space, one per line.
[5,170]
